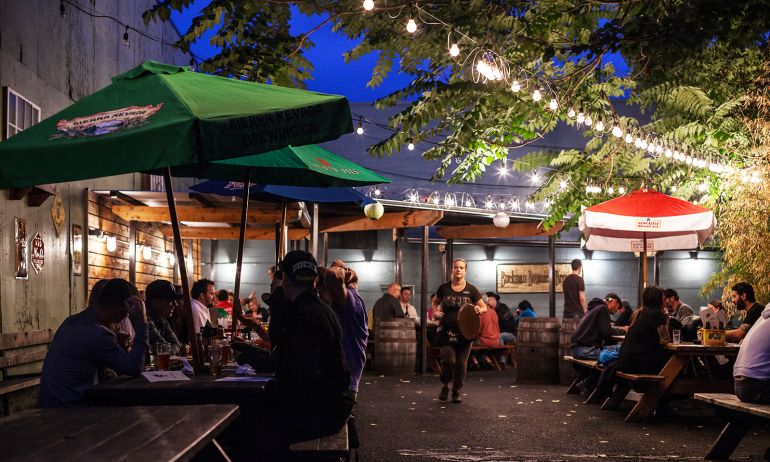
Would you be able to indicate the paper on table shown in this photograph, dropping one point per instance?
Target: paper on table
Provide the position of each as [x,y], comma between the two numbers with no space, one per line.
[245,378]
[165,376]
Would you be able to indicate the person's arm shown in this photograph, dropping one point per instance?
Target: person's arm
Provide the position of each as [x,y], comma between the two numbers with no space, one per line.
[481,307]
[335,283]
[108,353]
[604,324]
[583,301]
[736,335]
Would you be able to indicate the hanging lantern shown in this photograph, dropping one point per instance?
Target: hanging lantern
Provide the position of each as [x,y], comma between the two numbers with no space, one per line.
[501,220]
[374,211]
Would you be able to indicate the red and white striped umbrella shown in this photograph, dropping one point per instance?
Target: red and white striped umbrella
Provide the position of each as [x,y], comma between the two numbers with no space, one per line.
[664,222]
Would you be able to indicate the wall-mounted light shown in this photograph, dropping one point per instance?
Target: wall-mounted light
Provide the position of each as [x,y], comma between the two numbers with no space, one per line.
[171,258]
[96,233]
[587,254]
[694,254]
[111,243]
[113,194]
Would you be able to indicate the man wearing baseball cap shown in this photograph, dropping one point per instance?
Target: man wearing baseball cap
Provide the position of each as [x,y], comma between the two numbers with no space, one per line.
[309,397]
[162,299]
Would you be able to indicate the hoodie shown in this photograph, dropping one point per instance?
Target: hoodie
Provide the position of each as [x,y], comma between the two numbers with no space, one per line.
[595,329]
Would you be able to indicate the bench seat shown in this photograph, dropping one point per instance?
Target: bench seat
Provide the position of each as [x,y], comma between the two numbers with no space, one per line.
[584,368]
[332,447]
[508,350]
[739,415]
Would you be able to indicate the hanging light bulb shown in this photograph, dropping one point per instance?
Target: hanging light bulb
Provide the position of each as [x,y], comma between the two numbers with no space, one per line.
[515,86]
[454,50]
[503,170]
[377,192]
[410,146]
[673,188]
[536,95]
[668,153]
[581,117]
[651,146]
[368,5]
[703,187]
[599,127]
[589,120]
[617,132]
[414,197]
[562,185]
[643,144]
[553,105]
[610,190]
[360,128]
[411,26]
[450,200]
[125,38]
[62,10]
[489,204]
[111,243]
[571,113]
[621,190]
[629,138]
[535,179]
[501,220]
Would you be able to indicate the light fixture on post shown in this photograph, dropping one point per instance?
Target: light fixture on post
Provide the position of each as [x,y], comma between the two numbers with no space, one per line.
[147,252]
[501,220]
[111,243]
[171,258]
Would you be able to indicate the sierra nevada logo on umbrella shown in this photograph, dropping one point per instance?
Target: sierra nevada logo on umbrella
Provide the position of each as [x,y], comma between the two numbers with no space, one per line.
[107,122]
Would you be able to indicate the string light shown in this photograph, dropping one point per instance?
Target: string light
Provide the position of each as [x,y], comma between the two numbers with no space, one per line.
[629,138]
[125,38]
[536,95]
[553,105]
[535,179]
[515,86]
[588,121]
[562,185]
[599,125]
[62,9]
[368,5]
[454,50]
[360,129]
[571,113]
[411,26]
[617,132]
[622,190]
[410,146]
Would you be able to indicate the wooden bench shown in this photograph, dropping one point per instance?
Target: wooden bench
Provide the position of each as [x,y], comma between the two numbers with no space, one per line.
[739,416]
[18,350]
[584,368]
[508,350]
[637,382]
[328,448]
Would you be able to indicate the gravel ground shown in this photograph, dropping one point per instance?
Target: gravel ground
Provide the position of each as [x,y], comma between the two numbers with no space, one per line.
[400,418]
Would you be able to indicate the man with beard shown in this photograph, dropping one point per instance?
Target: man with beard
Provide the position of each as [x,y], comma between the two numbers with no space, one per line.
[743,299]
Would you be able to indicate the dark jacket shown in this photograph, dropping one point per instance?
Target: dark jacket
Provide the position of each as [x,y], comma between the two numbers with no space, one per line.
[310,365]
[387,307]
[505,319]
[595,329]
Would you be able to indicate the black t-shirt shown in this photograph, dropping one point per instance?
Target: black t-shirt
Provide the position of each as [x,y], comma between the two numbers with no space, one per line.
[752,314]
[572,286]
[452,301]
[624,319]
[641,351]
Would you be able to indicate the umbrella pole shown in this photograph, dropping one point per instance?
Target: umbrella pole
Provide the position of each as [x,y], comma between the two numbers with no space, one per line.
[282,244]
[187,310]
[314,244]
[644,261]
[241,241]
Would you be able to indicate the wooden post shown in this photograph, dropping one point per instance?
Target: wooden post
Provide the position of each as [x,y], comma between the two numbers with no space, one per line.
[657,267]
[450,255]
[399,250]
[277,244]
[84,256]
[132,252]
[314,242]
[644,259]
[424,293]
[639,281]
[325,242]
[187,306]
[241,241]
[551,277]
[283,240]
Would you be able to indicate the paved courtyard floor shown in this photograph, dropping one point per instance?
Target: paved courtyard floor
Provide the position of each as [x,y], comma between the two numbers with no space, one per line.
[401,419]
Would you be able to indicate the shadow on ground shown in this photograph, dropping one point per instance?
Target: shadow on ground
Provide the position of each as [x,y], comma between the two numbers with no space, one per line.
[400,418]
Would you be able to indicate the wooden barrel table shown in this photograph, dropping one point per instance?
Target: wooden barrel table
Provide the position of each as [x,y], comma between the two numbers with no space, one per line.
[395,346]
[567,373]
[537,350]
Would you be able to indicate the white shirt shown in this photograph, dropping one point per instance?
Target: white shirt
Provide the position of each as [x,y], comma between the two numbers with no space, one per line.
[754,356]
[200,315]
[410,312]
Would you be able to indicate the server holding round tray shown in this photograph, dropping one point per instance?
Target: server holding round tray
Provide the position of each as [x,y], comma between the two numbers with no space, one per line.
[461,304]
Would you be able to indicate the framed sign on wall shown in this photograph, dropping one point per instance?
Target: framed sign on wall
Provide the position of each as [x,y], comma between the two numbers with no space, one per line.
[515,278]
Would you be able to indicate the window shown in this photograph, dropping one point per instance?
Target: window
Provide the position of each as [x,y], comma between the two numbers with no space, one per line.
[20,113]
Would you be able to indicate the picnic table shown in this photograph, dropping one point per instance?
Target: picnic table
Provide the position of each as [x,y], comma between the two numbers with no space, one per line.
[116,433]
[672,382]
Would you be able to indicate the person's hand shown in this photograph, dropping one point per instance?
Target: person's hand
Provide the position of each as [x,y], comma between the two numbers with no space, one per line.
[124,340]
[438,315]
[136,309]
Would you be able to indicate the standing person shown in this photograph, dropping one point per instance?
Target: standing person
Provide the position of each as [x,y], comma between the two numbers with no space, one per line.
[676,309]
[409,310]
[743,299]
[388,306]
[84,345]
[203,293]
[455,348]
[575,303]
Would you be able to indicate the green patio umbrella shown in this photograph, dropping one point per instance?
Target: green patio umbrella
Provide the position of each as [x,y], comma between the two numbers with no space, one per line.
[309,165]
[157,115]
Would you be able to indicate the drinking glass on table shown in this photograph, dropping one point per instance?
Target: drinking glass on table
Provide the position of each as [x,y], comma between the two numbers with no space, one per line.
[163,355]
[215,360]
[676,336]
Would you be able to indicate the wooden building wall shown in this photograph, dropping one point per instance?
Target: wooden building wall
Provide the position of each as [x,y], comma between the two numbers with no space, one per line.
[103,264]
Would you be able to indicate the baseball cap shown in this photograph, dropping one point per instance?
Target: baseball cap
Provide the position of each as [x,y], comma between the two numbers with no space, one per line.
[162,290]
[299,265]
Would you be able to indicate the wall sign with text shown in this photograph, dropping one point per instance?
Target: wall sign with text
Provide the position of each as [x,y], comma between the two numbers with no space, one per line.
[529,278]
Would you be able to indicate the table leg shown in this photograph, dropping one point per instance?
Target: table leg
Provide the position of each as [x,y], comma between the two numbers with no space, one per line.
[728,440]
[646,406]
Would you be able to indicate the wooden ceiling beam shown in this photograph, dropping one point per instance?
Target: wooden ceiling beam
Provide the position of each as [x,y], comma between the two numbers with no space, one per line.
[221,233]
[391,220]
[491,231]
[198,214]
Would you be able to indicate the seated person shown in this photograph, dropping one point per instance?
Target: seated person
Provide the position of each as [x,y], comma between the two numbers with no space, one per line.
[223,305]
[524,310]
[743,299]
[489,336]
[506,322]
[595,329]
[752,367]
[715,316]
[624,316]
[162,299]
[676,309]
[643,349]
[84,345]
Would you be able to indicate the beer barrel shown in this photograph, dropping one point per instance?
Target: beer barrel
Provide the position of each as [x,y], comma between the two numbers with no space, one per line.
[537,350]
[395,346]
[567,373]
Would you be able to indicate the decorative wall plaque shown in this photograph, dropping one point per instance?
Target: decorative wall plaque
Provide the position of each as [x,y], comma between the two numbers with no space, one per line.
[77,250]
[38,253]
[529,278]
[58,214]
[21,248]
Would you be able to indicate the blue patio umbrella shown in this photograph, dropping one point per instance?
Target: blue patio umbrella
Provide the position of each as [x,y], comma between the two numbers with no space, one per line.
[275,193]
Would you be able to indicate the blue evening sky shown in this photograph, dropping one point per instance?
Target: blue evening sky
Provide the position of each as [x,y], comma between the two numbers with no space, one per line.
[332,74]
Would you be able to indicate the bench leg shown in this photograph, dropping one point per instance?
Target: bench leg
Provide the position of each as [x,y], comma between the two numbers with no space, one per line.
[495,364]
[617,397]
[595,397]
[573,388]
[728,440]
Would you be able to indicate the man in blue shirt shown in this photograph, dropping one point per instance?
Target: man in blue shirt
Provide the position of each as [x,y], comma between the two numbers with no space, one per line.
[84,346]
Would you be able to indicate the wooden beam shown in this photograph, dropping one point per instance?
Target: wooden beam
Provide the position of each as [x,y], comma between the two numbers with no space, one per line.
[215,215]
[253,234]
[491,231]
[411,219]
